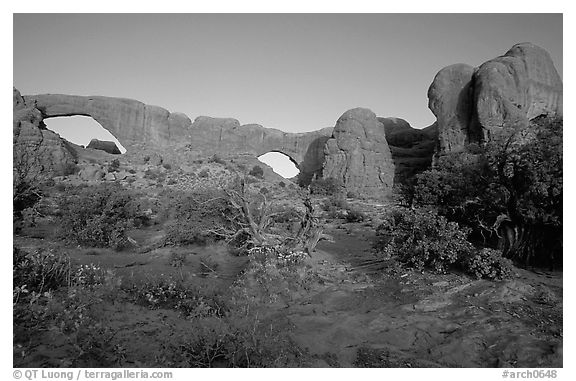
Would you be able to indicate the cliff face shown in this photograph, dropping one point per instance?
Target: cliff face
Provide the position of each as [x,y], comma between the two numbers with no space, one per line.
[515,88]
[358,154]
[449,99]
[473,104]
[140,127]
[36,149]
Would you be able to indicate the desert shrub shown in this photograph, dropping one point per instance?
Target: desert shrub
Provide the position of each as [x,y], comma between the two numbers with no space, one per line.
[39,271]
[326,186]
[351,194]
[422,239]
[195,217]
[274,274]
[167,166]
[25,195]
[99,216]
[282,184]
[487,263]
[335,206]
[355,215]
[205,173]
[509,191]
[114,166]
[70,169]
[216,159]
[208,265]
[264,191]
[257,171]
[155,174]
[89,275]
[49,183]
[241,341]
[177,258]
[169,293]
[283,214]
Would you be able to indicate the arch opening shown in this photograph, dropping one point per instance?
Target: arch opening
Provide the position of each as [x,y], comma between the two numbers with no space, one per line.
[81,130]
[281,163]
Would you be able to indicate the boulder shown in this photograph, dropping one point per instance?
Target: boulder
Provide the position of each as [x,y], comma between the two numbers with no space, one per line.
[515,88]
[472,105]
[358,155]
[450,100]
[104,145]
[36,149]
[92,172]
[110,177]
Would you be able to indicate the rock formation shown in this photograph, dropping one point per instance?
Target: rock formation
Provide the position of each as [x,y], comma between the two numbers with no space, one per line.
[515,88]
[412,149]
[37,149]
[142,128]
[473,104]
[358,154]
[449,98]
[104,145]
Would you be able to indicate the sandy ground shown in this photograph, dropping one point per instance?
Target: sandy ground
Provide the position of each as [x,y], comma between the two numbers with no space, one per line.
[361,312]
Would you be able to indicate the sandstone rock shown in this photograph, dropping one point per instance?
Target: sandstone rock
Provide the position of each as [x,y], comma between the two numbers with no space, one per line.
[103,145]
[512,89]
[450,99]
[155,159]
[109,176]
[34,147]
[505,93]
[123,175]
[411,149]
[142,128]
[91,172]
[358,154]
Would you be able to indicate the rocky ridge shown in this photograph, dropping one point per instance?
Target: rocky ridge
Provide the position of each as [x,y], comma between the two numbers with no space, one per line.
[474,104]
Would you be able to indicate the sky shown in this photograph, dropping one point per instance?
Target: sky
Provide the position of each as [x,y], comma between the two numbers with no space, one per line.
[294,72]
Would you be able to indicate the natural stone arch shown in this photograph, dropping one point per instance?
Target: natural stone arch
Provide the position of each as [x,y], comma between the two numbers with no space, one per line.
[85,131]
[278,162]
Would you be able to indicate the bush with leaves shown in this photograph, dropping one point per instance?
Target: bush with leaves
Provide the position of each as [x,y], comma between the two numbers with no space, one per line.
[257,171]
[327,187]
[509,191]
[487,263]
[196,217]
[100,215]
[355,215]
[39,271]
[422,239]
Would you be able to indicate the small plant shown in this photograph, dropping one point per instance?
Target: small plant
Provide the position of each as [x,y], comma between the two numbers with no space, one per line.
[167,166]
[205,173]
[488,263]
[355,215]
[40,270]
[326,187]
[208,265]
[282,184]
[178,259]
[264,191]
[216,159]
[257,171]
[89,275]
[114,166]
